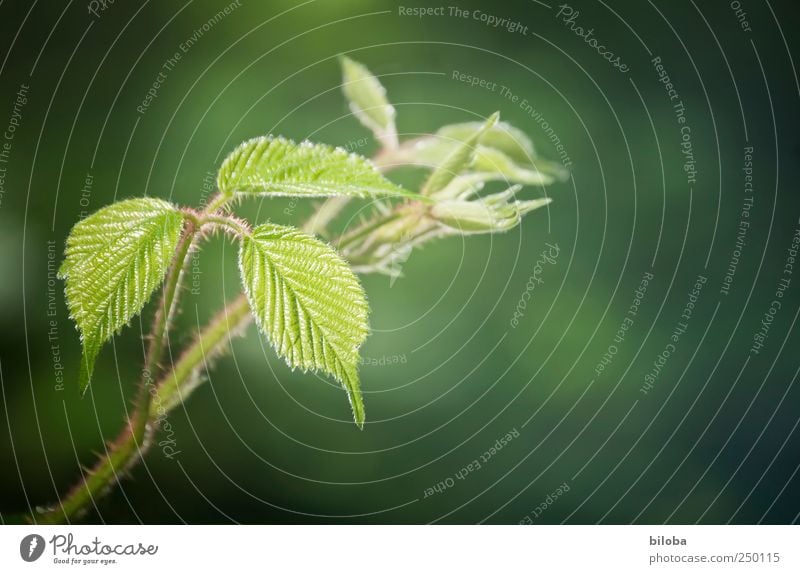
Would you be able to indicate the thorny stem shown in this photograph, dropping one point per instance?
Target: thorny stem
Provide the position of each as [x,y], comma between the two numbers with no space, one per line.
[216,203]
[228,223]
[184,377]
[161,324]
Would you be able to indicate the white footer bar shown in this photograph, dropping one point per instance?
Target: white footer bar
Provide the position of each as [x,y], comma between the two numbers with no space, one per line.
[389,549]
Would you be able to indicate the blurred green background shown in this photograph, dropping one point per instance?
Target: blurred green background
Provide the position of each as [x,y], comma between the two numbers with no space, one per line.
[714,440]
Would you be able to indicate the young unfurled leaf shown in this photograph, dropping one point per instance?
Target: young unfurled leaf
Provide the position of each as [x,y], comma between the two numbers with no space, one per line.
[307,302]
[503,152]
[367,98]
[278,166]
[503,137]
[490,164]
[496,165]
[459,159]
[431,150]
[463,187]
[115,259]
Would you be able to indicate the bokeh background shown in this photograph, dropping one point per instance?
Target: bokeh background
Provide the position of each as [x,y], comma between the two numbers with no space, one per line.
[714,440]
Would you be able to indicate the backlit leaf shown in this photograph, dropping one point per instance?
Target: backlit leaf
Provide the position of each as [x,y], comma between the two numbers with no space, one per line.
[280,167]
[502,136]
[498,166]
[367,98]
[502,152]
[307,302]
[459,159]
[115,259]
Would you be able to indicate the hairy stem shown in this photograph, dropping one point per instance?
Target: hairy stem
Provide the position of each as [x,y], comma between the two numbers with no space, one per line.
[161,324]
[183,378]
[227,223]
[217,202]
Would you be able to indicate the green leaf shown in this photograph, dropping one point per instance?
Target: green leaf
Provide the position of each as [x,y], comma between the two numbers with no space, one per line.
[279,167]
[115,259]
[502,136]
[459,159]
[307,302]
[463,187]
[433,149]
[489,164]
[367,98]
[498,166]
[503,152]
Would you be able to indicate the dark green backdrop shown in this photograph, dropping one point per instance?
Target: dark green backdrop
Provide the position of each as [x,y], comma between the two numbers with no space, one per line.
[713,440]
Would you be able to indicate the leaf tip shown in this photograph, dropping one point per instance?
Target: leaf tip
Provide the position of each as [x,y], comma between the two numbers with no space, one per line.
[85,373]
[358,413]
[351,384]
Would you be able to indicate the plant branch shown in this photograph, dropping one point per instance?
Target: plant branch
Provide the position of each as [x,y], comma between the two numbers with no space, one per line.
[154,400]
[228,223]
[161,325]
[183,378]
[217,203]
